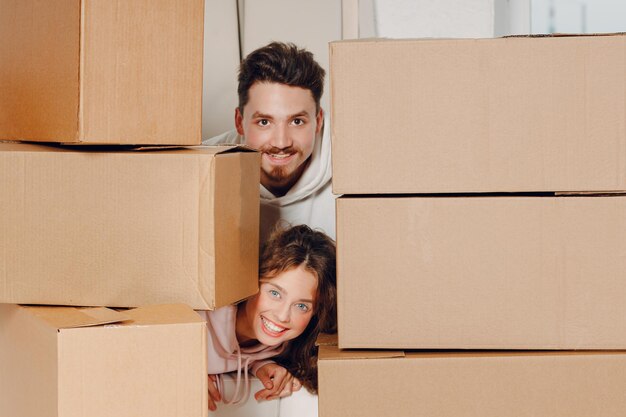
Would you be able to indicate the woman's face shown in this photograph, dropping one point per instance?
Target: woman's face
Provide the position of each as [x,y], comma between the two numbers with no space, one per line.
[283,307]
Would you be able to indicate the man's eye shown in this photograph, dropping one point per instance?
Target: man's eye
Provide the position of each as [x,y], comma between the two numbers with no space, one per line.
[298,122]
[263,122]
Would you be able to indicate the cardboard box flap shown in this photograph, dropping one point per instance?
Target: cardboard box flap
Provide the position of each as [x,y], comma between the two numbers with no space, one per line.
[22,147]
[229,148]
[163,314]
[438,39]
[25,147]
[448,354]
[205,149]
[97,148]
[327,339]
[333,352]
[72,317]
[564,35]
[328,349]
[590,193]
[339,43]
[13,146]
[199,149]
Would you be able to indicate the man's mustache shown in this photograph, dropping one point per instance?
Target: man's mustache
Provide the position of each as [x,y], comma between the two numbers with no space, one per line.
[276,151]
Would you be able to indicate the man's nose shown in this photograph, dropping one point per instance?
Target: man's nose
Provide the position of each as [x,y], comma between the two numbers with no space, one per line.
[281,138]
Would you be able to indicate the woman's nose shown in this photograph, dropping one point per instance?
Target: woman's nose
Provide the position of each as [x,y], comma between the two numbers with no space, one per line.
[284,313]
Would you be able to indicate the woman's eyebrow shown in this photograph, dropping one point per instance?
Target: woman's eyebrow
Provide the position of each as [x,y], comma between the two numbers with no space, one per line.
[274,285]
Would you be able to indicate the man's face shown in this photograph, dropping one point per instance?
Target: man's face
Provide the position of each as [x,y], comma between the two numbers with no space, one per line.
[281,122]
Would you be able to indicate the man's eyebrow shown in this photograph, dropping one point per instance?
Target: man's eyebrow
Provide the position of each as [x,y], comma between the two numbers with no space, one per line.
[257,115]
[284,291]
[300,114]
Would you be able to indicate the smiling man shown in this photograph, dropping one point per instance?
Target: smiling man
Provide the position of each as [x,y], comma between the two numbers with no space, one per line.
[279,114]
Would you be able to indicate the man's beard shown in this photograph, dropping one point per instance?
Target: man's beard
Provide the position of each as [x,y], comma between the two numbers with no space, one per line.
[281,174]
[278,174]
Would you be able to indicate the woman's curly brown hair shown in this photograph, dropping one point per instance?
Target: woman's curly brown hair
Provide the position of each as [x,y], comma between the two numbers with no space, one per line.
[290,248]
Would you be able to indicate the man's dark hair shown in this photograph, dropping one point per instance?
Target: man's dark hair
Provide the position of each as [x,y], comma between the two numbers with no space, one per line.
[282,63]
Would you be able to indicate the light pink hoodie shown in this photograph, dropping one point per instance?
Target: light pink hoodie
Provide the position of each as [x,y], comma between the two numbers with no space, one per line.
[225,354]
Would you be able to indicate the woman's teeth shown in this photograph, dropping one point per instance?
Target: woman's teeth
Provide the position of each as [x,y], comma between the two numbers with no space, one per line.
[271,326]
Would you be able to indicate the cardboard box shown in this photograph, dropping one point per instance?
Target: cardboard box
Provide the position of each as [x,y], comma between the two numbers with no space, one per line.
[108,72]
[488,384]
[479,115]
[128,228]
[71,362]
[482,272]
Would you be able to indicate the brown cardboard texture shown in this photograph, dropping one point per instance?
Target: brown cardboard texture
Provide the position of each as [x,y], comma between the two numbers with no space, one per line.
[479,115]
[128,228]
[153,363]
[108,72]
[499,272]
[489,384]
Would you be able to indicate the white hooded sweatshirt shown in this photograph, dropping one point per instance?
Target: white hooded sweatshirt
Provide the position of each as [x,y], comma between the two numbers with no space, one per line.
[310,201]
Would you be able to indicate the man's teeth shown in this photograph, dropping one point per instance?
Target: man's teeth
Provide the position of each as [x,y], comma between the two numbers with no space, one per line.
[271,326]
[280,155]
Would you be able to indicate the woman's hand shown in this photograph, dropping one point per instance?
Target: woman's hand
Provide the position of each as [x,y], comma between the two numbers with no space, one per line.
[214,393]
[278,382]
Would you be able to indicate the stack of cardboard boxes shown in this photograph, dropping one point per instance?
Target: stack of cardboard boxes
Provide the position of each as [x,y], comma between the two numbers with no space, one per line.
[482,234]
[167,228]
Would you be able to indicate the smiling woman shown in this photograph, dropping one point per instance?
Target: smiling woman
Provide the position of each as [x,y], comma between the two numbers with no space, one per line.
[282,309]
[296,301]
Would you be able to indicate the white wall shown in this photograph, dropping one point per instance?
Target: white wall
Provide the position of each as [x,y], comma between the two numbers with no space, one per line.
[575,16]
[442,18]
[221,60]
[312,24]
[309,24]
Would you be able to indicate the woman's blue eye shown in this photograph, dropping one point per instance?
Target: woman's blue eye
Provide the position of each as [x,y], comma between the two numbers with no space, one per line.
[274,293]
[302,307]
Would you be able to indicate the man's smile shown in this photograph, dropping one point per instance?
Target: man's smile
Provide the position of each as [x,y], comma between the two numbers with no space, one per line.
[280,158]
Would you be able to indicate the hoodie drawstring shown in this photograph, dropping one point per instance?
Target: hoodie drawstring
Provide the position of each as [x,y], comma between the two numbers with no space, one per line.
[239,394]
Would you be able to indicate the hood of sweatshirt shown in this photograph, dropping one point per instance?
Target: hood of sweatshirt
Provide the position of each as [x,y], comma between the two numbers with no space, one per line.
[223,344]
[225,355]
[316,176]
